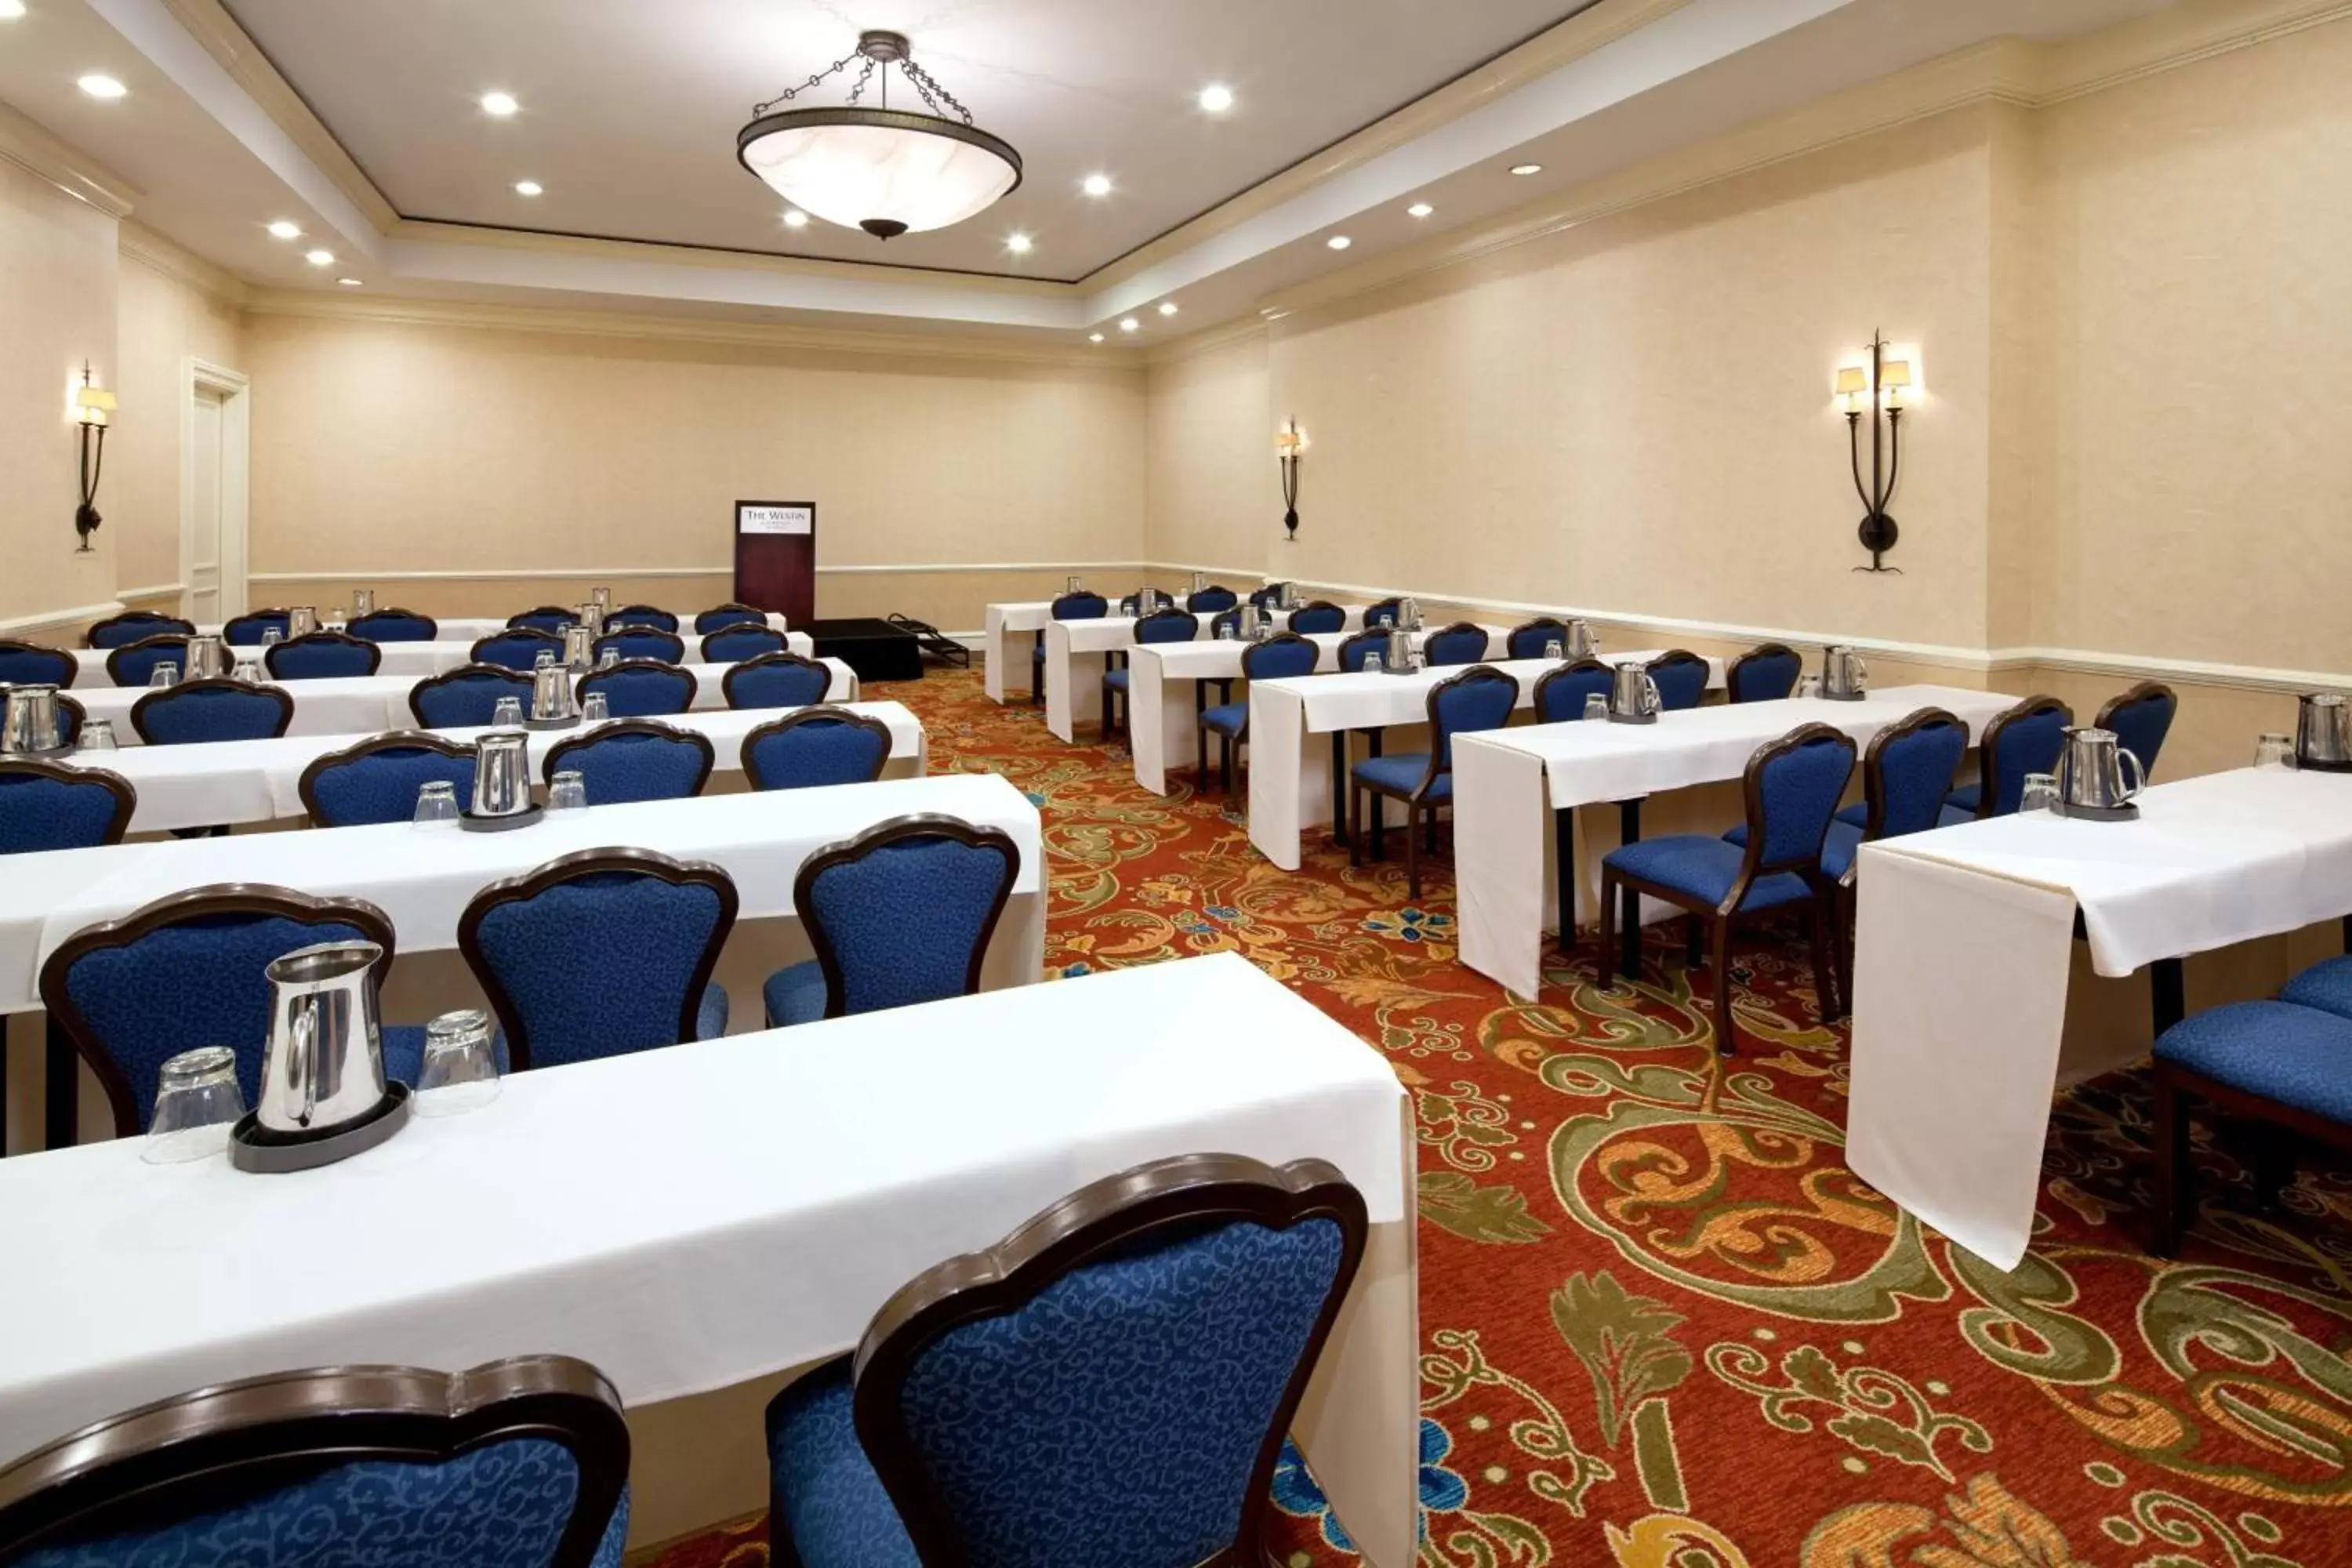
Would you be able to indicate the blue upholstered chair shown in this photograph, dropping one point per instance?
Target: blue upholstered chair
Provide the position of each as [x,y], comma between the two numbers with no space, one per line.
[1267,597]
[186,971]
[1681,676]
[600,953]
[377,780]
[46,806]
[726,616]
[323,656]
[634,759]
[1372,640]
[901,914]
[641,643]
[466,696]
[1212,599]
[1382,613]
[251,630]
[1560,693]
[517,1464]
[1480,698]
[395,625]
[776,681]
[1175,1311]
[2025,740]
[70,719]
[1461,643]
[136,625]
[1529,639]
[732,645]
[816,747]
[196,711]
[1276,659]
[1225,622]
[518,650]
[1321,615]
[29,664]
[1765,673]
[1079,607]
[549,618]
[2140,718]
[2325,985]
[643,689]
[1170,624]
[644,615]
[134,664]
[1793,788]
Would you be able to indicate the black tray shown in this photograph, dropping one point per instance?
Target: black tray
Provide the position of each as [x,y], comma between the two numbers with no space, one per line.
[1845,697]
[2310,767]
[2127,812]
[472,824]
[250,1148]
[1617,718]
[570,723]
[68,749]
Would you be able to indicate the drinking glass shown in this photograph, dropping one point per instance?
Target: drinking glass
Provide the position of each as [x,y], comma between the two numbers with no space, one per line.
[608,659]
[197,1100]
[1225,631]
[594,710]
[508,713]
[546,656]
[2041,793]
[1372,663]
[98,735]
[1595,705]
[247,672]
[1808,686]
[2275,752]
[437,804]
[1554,649]
[271,636]
[567,791]
[460,1070]
[165,674]
[1417,661]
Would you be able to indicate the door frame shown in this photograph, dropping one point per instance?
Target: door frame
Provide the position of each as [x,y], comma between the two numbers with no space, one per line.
[235,390]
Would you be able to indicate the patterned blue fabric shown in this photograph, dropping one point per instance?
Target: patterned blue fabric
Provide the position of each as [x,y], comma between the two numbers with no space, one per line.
[641,615]
[904,919]
[1384,614]
[615,769]
[1226,719]
[1317,618]
[502,1506]
[1838,848]
[2291,1056]
[1353,651]
[2027,745]
[664,647]
[2325,985]
[136,665]
[465,698]
[245,631]
[1467,647]
[27,665]
[137,626]
[516,650]
[1917,770]
[1210,600]
[2141,726]
[823,1495]
[739,643]
[544,619]
[187,715]
[382,785]
[1766,678]
[1681,683]
[322,658]
[395,626]
[1704,868]
[1560,698]
[38,813]
[1266,598]
[1799,792]
[1399,775]
[1116,678]
[711,621]
[815,753]
[794,994]
[1167,626]
[1474,705]
[641,694]
[1227,621]
[69,720]
[598,966]
[1530,640]
[778,685]
[1081,608]
[1279,660]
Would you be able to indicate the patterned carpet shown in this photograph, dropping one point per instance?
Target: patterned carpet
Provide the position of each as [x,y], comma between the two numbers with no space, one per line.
[1664,1328]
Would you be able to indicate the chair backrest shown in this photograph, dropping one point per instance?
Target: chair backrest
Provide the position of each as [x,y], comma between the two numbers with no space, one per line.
[776,681]
[638,642]
[1681,676]
[1371,640]
[1268,597]
[725,615]
[1461,643]
[1384,613]
[186,971]
[196,711]
[1280,658]
[1560,693]
[1177,1311]
[47,806]
[134,664]
[903,912]
[2141,718]
[1168,625]
[641,615]
[377,780]
[521,1463]
[1792,787]
[2025,740]
[1529,638]
[246,630]
[1080,606]
[393,625]
[466,696]
[552,618]
[816,747]
[30,664]
[1907,772]
[1208,601]
[1321,615]
[323,656]
[643,687]
[70,719]
[634,759]
[1480,698]
[516,650]
[1765,673]
[136,625]
[732,645]
[599,953]
[1132,605]
[1226,622]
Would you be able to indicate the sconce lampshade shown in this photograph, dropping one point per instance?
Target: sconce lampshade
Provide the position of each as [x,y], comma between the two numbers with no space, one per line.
[1852,380]
[1894,374]
[94,402]
[1288,442]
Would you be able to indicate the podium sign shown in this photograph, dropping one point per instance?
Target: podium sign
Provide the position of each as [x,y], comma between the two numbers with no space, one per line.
[775,557]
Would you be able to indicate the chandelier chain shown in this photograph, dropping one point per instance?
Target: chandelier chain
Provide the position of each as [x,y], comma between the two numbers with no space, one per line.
[928,85]
[791,92]
[925,83]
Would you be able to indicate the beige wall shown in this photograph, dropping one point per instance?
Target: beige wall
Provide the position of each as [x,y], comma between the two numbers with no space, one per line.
[162,323]
[1213,493]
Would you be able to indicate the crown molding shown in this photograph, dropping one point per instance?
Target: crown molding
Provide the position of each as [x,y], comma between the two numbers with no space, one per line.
[1208,341]
[141,244]
[2166,40]
[24,142]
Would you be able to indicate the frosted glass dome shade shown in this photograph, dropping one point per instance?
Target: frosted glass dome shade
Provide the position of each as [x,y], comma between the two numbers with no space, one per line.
[882,169]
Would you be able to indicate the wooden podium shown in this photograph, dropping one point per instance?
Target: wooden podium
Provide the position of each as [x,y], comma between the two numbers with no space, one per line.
[775,558]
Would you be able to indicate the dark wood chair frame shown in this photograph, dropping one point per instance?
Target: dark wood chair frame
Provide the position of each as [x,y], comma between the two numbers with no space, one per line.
[1290,622]
[2142,692]
[68,706]
[590,681]
[166,625]
[915,825]
[1053,612]
[1677,656]
[179,1457]
[278,695]
[769,662]
[822,714]
[1724,916]
[390,741]
[1382,613]
[1098,1222]
[1118,659]
[1873,794]
[1211,588]
[1989,743]
[572,868]
[1553,624]
[614,622]
[324,639]
[553,763]
[596,648]
[72,666]
[284,617]
[1459,627]
[431,627]
[2173,1179]
[516,622]
[1363,798]
[177,641]
[548,640]
[702,647]
[466,675]
[759,617]
[1227,745]
[1761,650]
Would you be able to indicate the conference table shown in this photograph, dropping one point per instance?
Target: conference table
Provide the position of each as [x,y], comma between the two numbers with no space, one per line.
[646,1212]
[229,783]
[403,660]
[1516,795]
[472,628]
[1076,653]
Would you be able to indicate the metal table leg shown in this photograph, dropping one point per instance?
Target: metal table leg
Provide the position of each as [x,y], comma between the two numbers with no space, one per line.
[2167,993]
[1563,837]
[1629,824]
[63,1095]
[1339,787]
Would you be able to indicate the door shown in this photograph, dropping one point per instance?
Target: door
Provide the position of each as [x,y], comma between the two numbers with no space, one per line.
[202,518]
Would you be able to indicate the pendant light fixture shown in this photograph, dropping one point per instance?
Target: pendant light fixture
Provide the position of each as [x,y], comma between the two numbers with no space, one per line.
[887,171]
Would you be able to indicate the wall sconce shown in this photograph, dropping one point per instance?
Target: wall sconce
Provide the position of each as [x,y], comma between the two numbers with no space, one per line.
[1877,389]
[92,410]
[1289,444]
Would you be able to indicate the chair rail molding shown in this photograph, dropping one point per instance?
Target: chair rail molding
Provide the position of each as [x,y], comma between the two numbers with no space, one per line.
[67,617]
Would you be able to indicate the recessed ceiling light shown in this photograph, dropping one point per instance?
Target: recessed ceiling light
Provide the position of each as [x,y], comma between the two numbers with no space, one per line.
[101,86]
[795,218]
[1095,185]
[1419,209]
[1338,242]
[1167,307]
[11,9]
[282,229]
[1130,324]
[1094,337]
[499,103]
[1018,244]
[319,258]
[1216,98]
[530,188]
[1527,168]
[349,282]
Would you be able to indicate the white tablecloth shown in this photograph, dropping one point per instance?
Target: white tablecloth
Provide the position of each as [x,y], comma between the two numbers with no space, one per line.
[691,1218]
[1075,663]
[1290,776]
[404,660]
[468,629]
[422,878]
[1507,783]
[1962,955]
[232,782]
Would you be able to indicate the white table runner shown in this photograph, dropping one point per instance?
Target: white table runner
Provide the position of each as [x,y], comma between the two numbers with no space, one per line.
[1075,663]
[401,660]
[1962,957]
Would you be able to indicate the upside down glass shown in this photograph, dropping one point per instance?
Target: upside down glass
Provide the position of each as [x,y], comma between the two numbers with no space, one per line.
[595,708]
[460,1071]
[165,674]
[567,791]
[1555,650]
[2041,793]
[1595,705]
[98,735]
[1808,686]
[437,804]
[197,1100]
[508,714]
[2275,752]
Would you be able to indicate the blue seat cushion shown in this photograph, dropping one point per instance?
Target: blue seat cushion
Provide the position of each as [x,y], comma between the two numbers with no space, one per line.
[1704,868]
[1229,719]
[1837,848]
[1854,815]
[710,1018]
[1966,798]
[795,994]
[823,1495]
[2291,1056]
[1116,678]
[1402,775]
[2326,986]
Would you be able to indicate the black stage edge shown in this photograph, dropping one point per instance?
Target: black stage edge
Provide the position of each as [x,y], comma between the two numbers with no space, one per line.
[875,649]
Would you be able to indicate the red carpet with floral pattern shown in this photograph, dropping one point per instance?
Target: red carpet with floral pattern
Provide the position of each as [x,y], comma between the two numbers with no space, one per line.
[1663,1326]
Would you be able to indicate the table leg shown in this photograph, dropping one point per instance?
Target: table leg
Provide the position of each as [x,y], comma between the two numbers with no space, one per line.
[1563,837]
[63,1092]
[1629,824]
[2167,993]
[1339,786]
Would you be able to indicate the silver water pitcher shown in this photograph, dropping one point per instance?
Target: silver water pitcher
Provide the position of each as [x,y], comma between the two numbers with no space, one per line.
[1409,614]
[579,652]
[1396,657]
[592,616]
[363,602]
[301,621]
[28,724]
[1580,642]
[603,598]
[501,775]
[2322,733]
[1633,695]
[1252,620]
[323,1066]
[2090,774]
[1289,600]
[1200,581]
[1845,677]
[1074,585]
[552,704]
[208,658]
